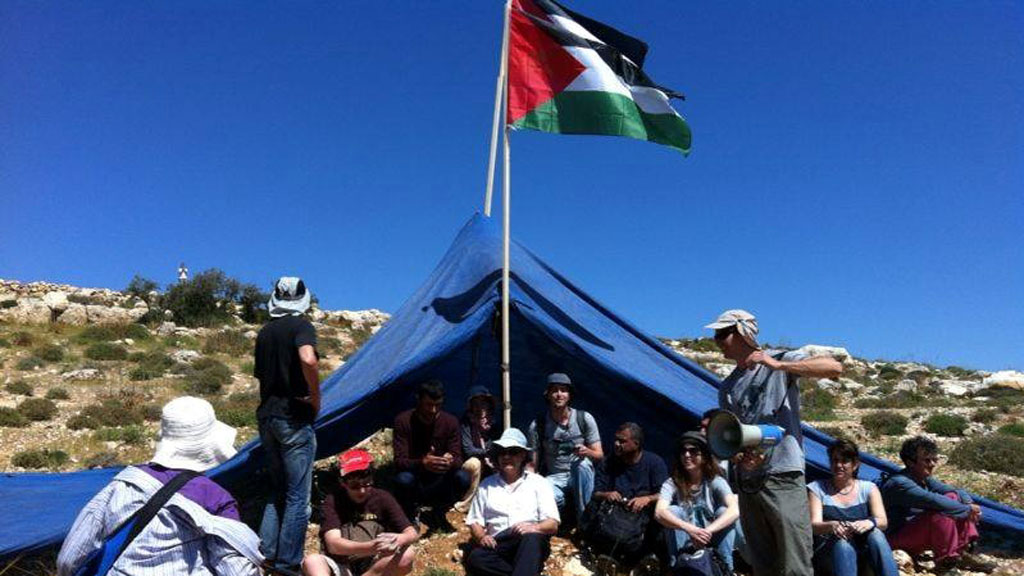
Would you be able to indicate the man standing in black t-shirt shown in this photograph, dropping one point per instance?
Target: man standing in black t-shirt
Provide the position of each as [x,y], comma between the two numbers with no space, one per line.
[286,366]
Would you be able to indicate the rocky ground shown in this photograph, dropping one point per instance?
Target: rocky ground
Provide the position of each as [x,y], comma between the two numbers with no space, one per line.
[81,384]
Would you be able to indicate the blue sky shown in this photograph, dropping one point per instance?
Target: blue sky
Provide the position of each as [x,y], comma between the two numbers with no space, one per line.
[857,175]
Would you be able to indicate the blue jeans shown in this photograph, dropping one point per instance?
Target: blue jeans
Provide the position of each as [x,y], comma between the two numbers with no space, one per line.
[723,541]
[415,488]
[579,480]
[290,448]
[840,556]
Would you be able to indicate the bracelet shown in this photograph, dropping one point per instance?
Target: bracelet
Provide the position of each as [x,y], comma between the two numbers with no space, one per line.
[874,523]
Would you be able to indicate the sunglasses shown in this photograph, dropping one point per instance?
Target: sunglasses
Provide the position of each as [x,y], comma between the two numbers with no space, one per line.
[358,484]
[509,451]
[690,451]
[723,334]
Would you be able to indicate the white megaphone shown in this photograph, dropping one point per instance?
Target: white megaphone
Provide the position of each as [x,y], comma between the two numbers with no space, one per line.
[727,436]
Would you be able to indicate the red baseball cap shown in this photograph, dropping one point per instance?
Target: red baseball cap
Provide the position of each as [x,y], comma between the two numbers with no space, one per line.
[354,460]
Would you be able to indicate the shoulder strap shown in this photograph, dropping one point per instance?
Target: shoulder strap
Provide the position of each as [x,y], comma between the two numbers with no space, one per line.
[142,518]
[581,423]
[542,420]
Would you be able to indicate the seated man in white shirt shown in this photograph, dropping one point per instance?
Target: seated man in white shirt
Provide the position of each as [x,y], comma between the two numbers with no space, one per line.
[513,515]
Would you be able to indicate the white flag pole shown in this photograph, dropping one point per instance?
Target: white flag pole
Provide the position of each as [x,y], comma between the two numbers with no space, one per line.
[506,355]
[498,106]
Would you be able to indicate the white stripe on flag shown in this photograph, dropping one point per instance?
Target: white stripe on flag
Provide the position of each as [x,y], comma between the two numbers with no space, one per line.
[597,77]
[651,100]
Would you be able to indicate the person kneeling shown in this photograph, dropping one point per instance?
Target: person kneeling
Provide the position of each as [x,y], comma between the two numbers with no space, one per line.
[513,515]
[364,530]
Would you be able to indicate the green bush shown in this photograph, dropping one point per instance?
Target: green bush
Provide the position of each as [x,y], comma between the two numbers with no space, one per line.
[207,377]
[29,363]
[37,459]
[817,404]
[133,435]
[836,432]
[993,452]
[19,388]
[4,304]
[1012,429]
[943,424]
[112,332]
[230,342]
[106,351]
[889,372]
[105,459]
[110,413]
[884,423]
[151,412]
[151,365]
[37,409]
[22,338]
[200,300]
[5,343]
[140,288]
[253,304]
[58,393]
[963,373]
[984,415]
[11,418]
[239,409]
[49,352]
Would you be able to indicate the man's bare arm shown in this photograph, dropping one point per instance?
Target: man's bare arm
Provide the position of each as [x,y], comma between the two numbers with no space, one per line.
[309,361]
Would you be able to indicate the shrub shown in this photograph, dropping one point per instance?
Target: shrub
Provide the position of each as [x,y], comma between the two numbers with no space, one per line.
[944,424]
[11,418]
[253,304]
[1012,429]
[112,332]
[37,409]
[239,409]
[49,352]
[29,363]
[5,343]
[207,377]
[103,459]
[817,404]
[889,372]
[152,412]
[106,351]
[133,435]
[228,342]
[4,304]
[963,373]
[200,301]
[36,459]
[22,338]
[993,452]
[836,432]
[984,415]
[57,393]
[111,413]
[151,365]
[19,387]
[140,287]
[885,423]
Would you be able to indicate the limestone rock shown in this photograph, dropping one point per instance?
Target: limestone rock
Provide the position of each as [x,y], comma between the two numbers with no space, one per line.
[56,301]
[836,352]
[951,387]
[575,568]
[1005,379]
[28,311]
[82,374]
[74,315]
[166,328]
[851,385]
[826,384]
[906,385]
[186,356]
[903,561]
[98,314]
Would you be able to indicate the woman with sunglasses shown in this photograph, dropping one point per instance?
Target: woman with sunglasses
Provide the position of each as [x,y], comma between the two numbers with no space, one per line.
[696,504]
[847,517]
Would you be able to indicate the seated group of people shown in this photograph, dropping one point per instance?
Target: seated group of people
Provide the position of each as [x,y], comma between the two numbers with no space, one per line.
[516,488]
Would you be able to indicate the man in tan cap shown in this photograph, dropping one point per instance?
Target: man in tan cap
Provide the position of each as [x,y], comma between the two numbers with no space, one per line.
[762,389]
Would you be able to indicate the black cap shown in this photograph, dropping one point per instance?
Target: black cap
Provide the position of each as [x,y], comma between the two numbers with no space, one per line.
[693,437]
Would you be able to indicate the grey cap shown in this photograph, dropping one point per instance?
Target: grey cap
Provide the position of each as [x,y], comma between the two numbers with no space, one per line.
[559,379]
[695,438]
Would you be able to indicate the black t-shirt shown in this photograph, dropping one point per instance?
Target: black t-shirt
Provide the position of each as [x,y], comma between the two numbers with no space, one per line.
[641,479]
[279,369]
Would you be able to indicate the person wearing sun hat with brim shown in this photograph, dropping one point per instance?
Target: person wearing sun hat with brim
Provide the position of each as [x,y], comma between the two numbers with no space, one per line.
[513,514]
[199,521]
[762,389]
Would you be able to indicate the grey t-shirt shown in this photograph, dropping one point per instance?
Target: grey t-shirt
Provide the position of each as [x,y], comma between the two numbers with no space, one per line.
[560,441]
[765,396]
[702,503]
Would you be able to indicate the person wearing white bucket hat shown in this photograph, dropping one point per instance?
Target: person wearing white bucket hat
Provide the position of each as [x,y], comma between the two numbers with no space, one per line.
[772,493]
[286,366]
[199,521]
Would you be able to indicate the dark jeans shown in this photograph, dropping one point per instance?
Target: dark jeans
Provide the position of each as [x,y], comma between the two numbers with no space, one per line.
[513,556]
[290,448]
[421,488]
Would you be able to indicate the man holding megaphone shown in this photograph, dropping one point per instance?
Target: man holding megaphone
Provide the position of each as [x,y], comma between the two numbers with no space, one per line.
[762,428]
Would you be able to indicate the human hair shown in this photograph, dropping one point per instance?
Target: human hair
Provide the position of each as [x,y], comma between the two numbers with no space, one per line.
[911,446]
[635,432]
[845,450]
[358,474]
[708,467]
[434,389]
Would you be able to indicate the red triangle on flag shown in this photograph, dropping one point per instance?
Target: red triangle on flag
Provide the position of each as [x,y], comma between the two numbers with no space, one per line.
[538,66]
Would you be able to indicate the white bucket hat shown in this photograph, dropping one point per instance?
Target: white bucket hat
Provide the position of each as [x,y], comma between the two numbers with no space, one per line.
[512,438]
[191,437]
[290,297]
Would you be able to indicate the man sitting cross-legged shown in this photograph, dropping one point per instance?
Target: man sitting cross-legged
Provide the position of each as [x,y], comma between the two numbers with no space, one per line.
[513,515]
[364,530]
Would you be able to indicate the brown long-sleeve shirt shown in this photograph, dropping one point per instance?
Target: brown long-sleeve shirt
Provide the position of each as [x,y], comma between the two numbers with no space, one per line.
[412,440]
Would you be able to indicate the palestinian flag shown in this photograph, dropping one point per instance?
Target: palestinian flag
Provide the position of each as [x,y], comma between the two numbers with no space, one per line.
[572,75]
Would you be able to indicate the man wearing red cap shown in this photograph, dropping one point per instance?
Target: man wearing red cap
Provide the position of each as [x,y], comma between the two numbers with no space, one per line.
[364,530]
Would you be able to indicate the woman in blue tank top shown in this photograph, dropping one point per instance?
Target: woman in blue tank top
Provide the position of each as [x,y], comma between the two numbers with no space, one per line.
[848,518]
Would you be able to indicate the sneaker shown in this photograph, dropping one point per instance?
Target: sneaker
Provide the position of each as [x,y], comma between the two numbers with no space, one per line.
[976,563]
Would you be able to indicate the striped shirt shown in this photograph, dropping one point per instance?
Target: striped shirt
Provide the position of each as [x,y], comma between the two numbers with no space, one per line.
[183,538]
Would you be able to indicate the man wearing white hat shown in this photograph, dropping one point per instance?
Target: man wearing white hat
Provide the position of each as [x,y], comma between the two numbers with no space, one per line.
[513,514]
[286,366]
[197,531]
[762,389]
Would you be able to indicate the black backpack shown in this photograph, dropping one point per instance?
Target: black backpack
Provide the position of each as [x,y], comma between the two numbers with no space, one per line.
[613,529]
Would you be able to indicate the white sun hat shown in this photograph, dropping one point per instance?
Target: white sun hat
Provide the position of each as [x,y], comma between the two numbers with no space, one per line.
[191,437]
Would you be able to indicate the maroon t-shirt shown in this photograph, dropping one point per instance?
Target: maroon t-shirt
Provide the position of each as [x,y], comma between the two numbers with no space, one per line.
[412,439]
[338,509]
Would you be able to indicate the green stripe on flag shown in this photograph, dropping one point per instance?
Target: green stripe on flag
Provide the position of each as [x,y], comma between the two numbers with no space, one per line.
[608,114]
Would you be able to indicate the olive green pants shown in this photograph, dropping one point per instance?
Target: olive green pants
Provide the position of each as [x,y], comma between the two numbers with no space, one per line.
[777,524]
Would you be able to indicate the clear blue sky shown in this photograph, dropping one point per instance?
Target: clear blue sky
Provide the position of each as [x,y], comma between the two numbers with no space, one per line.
[857,175]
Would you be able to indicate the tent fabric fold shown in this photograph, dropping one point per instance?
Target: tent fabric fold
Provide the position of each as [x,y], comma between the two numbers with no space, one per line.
[448,329]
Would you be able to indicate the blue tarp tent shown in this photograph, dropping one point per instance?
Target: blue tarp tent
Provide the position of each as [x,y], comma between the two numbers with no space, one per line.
[447,330]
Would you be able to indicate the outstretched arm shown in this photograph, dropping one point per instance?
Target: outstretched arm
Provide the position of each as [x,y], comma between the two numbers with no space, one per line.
[816,367]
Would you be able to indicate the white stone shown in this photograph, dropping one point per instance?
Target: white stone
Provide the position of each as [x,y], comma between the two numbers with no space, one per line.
[186,356]
[129,342]
[56,301]
[952,387]
[906,386]
[28,311]
[575,568]
[826,384]
[250,334]
[82,374]
[1005,379]
[836,352]
[851,385]
[166,328]
[98,314]
[75,315]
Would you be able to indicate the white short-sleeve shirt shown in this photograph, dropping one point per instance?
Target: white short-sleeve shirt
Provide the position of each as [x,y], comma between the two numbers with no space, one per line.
[498,505]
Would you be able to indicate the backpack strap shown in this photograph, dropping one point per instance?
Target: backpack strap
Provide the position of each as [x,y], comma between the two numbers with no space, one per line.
[542,420]
[145,514]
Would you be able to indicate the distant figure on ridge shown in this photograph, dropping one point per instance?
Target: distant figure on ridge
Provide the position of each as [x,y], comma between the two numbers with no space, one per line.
[926,514]
[286,366]
[182,273]
[196,531]
[762,389]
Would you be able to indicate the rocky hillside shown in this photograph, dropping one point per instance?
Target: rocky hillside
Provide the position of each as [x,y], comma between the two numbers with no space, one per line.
[83,381]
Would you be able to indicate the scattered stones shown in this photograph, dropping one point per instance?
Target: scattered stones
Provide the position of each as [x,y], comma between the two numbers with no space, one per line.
[826,384]
[81,374]
[186,356]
